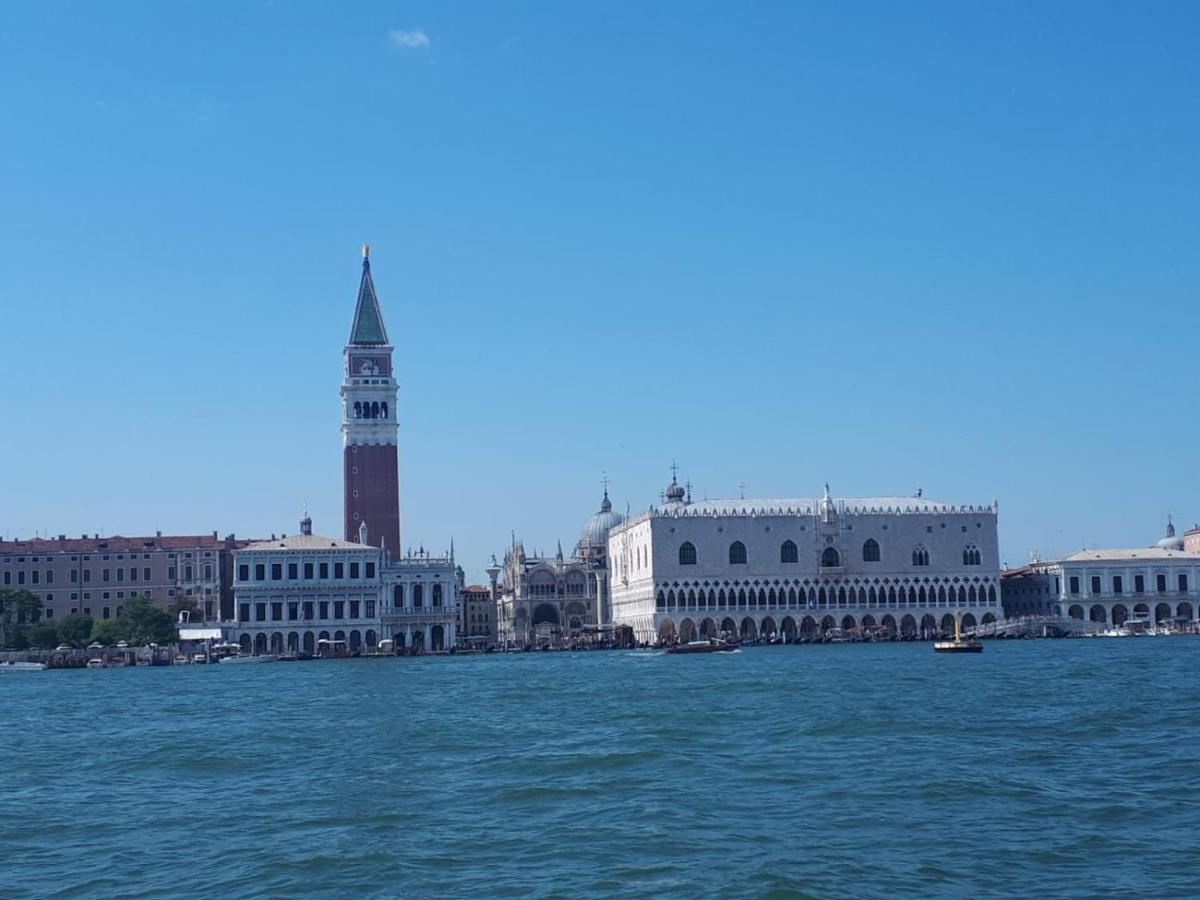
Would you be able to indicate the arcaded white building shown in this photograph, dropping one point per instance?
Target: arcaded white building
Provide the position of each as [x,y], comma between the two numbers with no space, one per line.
[307,593]
[803,567]
[1155,584]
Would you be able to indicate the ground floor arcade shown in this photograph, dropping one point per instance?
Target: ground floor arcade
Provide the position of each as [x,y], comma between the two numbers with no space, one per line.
[1118,612]
[882,624]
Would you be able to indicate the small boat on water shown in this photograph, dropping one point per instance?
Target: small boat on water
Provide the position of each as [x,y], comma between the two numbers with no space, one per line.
[95,663]
[959,644]
[712,645]
[238,658]
[21,666]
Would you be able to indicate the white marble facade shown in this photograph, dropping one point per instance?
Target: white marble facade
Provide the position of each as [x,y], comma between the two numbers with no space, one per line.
[802,567]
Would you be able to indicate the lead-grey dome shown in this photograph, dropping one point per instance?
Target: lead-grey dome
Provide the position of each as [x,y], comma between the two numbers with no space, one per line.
[595,530]
[1169,541]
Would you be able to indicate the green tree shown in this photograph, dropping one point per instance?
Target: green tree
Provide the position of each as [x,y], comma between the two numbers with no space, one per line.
[147,624]
[43,635]
[108,631]
[75,629]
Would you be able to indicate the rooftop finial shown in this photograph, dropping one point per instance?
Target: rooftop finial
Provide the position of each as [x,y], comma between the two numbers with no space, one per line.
[366,252]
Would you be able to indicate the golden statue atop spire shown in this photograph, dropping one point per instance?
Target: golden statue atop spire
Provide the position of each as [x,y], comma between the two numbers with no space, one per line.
[366,251]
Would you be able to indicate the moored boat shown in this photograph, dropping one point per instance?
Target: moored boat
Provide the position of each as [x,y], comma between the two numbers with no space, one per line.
[22,666]
[237,658]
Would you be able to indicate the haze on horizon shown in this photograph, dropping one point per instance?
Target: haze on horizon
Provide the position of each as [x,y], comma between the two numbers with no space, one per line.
[936,246]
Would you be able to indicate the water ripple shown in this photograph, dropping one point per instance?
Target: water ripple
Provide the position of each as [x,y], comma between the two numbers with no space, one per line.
[1038,768]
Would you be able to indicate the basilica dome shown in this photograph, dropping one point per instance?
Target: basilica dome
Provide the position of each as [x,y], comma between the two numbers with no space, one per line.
[596,529]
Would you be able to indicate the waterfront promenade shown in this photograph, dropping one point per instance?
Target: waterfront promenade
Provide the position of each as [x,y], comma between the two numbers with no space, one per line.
[1038,768]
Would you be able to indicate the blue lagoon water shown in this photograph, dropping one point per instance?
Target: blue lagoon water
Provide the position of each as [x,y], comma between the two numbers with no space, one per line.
[1064,768]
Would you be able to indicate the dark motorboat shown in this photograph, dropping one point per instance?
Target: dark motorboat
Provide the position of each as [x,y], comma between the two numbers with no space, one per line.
[712,645]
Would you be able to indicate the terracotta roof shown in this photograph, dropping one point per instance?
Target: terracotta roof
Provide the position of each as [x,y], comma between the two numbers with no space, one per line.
[118,544]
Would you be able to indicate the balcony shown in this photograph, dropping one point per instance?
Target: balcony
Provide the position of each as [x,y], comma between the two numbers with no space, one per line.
[833,571]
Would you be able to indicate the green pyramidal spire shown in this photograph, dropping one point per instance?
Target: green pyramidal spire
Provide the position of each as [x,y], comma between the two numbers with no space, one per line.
[368,327]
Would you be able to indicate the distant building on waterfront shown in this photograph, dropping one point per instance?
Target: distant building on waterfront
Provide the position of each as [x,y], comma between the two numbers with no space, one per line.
[477,622]
[306,593]
[904,565]
[96,575]
[1028,591]
[1191,539]
[559,599]
[1108,587]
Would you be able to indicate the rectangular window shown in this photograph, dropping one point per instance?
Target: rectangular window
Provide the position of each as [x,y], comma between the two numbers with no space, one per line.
[105,612]
[276,612]
[293,612]
[1074,584]
[244,613]
[339,570]
[20,578]
[1095,584]
[293,571]
[308,610]
[370,570]
[339,609]
[1139,584]
[353,570]
[260,571]
[370,609]
[105,575]
[1182,582]
[1118,585]
[36,576]
[74,576]
[133,573]
[308,571]
[324,609]
[260,612]
[277,571]
[208,610]
[146,573]
[243,572]
[1160,582]
[170,573]
[49,576]
[354,609]
[324,570]
[120,574]
[87,575]
[49,614]
[187,573]
[7,577]
[208,572]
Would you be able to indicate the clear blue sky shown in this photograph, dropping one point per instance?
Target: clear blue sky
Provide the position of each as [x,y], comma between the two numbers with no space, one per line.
[949,246]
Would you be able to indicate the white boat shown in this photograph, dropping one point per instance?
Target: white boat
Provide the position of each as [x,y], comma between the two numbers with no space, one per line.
[248,659]
[95,663]
[22,666]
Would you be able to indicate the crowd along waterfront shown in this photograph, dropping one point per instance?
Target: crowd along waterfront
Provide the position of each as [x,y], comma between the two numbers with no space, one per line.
[883,770]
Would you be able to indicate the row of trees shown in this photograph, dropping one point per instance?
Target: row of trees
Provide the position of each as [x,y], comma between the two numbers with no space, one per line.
[140,623]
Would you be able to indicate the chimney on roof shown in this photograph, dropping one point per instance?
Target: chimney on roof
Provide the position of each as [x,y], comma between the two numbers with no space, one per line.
[214,535]
[84,536]
[62,537]
[158,534]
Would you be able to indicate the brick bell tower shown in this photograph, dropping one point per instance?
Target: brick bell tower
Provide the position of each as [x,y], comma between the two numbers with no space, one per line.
[369,431]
